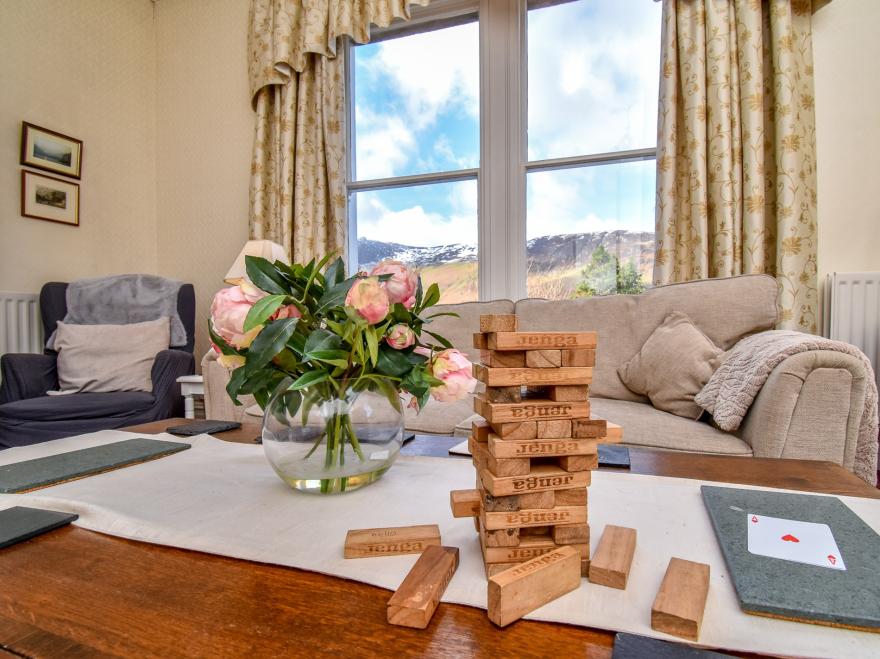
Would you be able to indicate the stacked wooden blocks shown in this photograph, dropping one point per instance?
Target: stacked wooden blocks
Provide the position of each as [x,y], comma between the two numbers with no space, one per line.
[536,448]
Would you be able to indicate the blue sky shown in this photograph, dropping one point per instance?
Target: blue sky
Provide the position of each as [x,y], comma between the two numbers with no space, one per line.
[593,76]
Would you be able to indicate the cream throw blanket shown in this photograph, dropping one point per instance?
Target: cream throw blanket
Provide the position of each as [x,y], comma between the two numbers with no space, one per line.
[733,387]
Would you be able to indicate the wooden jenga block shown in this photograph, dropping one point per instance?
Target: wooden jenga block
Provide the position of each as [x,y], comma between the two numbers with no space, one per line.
[503,358]
[524,518]
[543,531]
[504,394]
[393,541]
[581,357]
[498,323]
[499,504]
[508,466]
[477,523]
[571,534]
[543,359]
[589,428]
[494,568]
[578,462]
[541,340]
[479,454]
[502,537]
[480,430]
[559,429]
[585,566]
[612,561]
[529,547]
[531,377]
[525,587]
[568,393]
[464,503]
[541,478]
[533,500]
[572,497]
[516,430]
[415,601]
[530,410]
[540,448]
[613,434]
[680,602]
[481,341]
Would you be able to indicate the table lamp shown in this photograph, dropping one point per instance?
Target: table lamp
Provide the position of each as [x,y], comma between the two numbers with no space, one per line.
[264,248]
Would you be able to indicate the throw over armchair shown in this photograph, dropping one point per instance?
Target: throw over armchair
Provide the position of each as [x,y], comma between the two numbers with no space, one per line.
[29,416]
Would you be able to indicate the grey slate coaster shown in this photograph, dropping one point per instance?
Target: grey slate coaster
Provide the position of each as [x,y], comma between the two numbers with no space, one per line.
[18,523]
[630,646]
[784,589]
[40,472]
[614,455]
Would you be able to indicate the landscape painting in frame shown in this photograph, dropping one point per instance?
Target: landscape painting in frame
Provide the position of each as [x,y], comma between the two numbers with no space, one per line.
[45,149]
[48,198]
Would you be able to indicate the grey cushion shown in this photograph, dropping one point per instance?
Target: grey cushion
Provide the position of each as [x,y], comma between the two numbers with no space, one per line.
[77,406]
[439,418]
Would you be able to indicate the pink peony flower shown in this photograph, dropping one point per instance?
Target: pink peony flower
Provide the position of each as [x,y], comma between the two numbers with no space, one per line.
[228,311]
[454,369]
[400,336]
[369,299]
[251,292]
[228,361]
[289,311]
[402,285]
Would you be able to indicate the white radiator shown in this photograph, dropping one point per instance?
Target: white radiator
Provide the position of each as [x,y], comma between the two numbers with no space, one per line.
[852,312]
[20,327]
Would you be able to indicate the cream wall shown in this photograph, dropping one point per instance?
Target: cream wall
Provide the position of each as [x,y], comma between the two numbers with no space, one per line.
[846,53]
[204,143]
[85,68]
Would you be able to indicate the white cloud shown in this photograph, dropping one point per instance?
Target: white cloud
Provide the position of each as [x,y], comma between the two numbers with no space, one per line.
[384,145]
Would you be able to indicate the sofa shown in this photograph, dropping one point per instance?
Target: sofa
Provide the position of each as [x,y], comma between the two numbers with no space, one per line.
[809,408]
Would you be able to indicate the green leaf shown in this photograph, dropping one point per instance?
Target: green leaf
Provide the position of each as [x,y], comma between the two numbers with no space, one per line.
[265,275]
[388,390]
[310,378]
[261,311]
[269,342]
[419,293]
[220,342]
[335,295]
[320,340]
[442,341]
[236,380]
[372,345]
[336,357]
[392,362]
[432,296]
[335,272]
[443,313]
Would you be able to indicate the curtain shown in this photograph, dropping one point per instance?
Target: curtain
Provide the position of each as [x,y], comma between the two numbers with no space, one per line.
[297,80]
[736,164]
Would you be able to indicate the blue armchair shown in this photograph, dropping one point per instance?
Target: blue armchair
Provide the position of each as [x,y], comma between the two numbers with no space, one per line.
[29,416]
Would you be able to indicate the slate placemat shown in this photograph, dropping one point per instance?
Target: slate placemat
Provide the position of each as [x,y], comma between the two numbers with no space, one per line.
[41,472]
[631,646]
[785,589]
[614,455]
[19,523]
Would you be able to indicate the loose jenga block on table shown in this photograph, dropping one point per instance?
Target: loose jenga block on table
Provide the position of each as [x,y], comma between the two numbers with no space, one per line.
[612,560]
[480,430]
[543,359]
[541,340]
[578,462]
[680,602]
[503,358]
[464,503]
[537,517]
[525,587]
[538,448]
[415,601]
[559,429]
[531,377]
[571,534]
[571,497]
[498,323]
[568,393]
[481,341]
[516,430]
[540,478]
[581,357]
[504,394]
[529,410]
[393,541]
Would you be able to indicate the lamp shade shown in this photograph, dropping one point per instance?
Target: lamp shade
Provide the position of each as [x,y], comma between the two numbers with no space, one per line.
[264,248]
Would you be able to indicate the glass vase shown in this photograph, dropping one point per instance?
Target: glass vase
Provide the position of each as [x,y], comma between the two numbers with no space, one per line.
[322,443]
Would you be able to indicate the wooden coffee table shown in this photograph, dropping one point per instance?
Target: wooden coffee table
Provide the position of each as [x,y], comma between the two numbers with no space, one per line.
[76,593]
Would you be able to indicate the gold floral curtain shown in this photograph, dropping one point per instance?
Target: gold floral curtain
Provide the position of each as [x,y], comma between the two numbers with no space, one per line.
[736,163]
[297,79]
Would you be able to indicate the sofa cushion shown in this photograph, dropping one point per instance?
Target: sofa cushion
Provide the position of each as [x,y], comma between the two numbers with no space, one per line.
[439,418]
[645,426]
[673,366]
[725,310]
[460,330]
[77,406]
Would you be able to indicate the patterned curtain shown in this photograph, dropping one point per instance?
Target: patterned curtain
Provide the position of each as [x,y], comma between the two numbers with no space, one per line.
[297,78]
[736,163]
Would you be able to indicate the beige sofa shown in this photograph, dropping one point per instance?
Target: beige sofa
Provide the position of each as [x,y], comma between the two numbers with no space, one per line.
[809,408]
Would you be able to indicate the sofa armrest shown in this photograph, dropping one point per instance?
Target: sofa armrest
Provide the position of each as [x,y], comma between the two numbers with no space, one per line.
[218,404]
[27,376]
[809,408]
[168,366]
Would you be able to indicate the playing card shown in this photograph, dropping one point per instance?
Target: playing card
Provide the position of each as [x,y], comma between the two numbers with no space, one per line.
[801,542]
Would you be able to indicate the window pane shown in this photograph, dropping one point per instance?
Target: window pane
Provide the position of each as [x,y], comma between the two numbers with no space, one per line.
[593,77]
[417,103]
[590,230]
[430,227]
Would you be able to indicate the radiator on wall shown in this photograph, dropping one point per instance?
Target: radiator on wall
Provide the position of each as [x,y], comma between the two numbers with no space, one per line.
[20,326]
[852,312]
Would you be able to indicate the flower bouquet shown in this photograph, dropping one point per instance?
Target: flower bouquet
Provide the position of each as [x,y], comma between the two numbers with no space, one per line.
[328,357]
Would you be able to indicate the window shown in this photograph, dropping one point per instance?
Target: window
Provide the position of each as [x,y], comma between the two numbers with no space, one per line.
[544,185]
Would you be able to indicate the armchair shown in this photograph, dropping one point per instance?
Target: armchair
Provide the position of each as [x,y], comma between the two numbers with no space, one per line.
[29,416]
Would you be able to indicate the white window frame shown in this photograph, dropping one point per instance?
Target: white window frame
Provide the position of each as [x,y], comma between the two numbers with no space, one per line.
[503,167]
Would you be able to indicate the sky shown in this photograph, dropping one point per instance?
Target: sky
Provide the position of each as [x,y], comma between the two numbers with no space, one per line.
[592,87]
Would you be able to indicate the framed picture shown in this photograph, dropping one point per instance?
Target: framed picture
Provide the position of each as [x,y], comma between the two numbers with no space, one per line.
[45,149]
[48,198]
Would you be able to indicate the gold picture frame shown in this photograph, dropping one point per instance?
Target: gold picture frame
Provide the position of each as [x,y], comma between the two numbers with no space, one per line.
[49,198]
[46,149]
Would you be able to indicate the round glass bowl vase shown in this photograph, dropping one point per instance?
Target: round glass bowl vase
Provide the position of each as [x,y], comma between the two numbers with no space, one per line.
[323,444]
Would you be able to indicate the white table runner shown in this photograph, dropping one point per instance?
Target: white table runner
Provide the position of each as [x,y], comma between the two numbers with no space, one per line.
[223,498]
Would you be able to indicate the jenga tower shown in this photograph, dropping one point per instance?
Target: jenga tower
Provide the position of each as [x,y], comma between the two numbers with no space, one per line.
[536,448]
